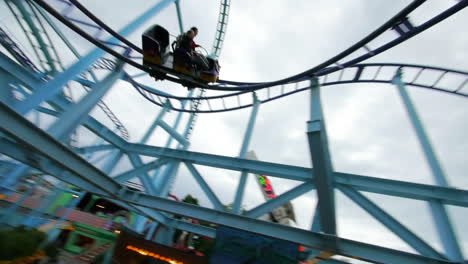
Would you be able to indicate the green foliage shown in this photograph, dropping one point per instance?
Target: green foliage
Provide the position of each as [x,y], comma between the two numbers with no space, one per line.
[19,243]
[190,200]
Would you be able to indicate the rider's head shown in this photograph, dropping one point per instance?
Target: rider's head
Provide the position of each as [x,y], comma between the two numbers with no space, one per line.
[191,34]
[195,30]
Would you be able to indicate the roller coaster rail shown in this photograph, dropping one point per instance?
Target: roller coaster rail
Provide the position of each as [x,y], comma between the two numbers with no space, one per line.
[394,24]
[36,149]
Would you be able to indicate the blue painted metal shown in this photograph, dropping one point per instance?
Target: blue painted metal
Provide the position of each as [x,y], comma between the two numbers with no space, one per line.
[20,129]
[424,192]
[48,90]
[415,191]
[224,162]
[112,161]
[316,226]
[95,148]
[179,16]
[144,177]
[271,204]
[125,176]
[391,223]
[17,72]
[205,187]
[391,187]
[155,123]
[443,225]
[151,230]
[165,179]
[40,35]
[174,134]
[322,165]
[236,206]
[72,117]
[6,90]
[221,28]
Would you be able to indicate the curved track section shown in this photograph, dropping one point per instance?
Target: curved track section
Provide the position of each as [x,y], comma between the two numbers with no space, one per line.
[277,89]
[434,78]
[399,26]
[221,28]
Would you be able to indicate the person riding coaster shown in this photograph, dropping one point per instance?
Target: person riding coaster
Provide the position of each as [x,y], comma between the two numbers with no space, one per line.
[184,57]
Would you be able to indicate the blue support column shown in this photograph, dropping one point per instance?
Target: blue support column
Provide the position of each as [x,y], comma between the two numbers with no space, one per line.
[279,200]
[5,88]
[321,161]
[316,227]
[163,179]
[391,223]
[112,161]
[173,133]
[439,213]
[48,90]
[205,187]
[139,223]
[72,118]
[137,171]
[155,123]
[236,207]
[179,16]
[150,232]
[144,177]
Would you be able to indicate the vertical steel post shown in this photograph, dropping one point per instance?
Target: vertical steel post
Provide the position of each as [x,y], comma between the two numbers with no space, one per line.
[236,207]
[321,161]
[5,88]
[161,176]
[439,213]
[179,16]
[153,126]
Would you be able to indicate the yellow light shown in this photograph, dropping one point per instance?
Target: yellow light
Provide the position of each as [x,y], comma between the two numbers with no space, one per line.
[117,231]
[74,196]
[154,255]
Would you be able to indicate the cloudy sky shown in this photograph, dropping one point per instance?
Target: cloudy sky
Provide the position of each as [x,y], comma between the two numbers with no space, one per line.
[369,132]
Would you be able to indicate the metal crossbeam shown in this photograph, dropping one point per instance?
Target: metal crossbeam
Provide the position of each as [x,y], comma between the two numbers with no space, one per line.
[43,145]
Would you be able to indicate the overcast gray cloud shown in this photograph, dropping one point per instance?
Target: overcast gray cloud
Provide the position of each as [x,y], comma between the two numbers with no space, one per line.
[369,132]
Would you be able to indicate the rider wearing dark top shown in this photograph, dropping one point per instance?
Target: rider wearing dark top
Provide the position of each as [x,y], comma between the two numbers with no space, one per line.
[189,45]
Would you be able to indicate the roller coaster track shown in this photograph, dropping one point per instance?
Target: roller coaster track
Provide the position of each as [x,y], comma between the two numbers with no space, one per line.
[221,27]
[48,50]
[233,101]
[10,45]
[444,81]
[30,22]
[400,23]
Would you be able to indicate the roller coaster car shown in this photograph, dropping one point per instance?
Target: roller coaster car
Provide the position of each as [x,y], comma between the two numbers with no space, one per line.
[155,42]
[184,62]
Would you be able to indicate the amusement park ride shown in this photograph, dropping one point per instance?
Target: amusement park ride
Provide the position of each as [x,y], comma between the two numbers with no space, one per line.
[32,87]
